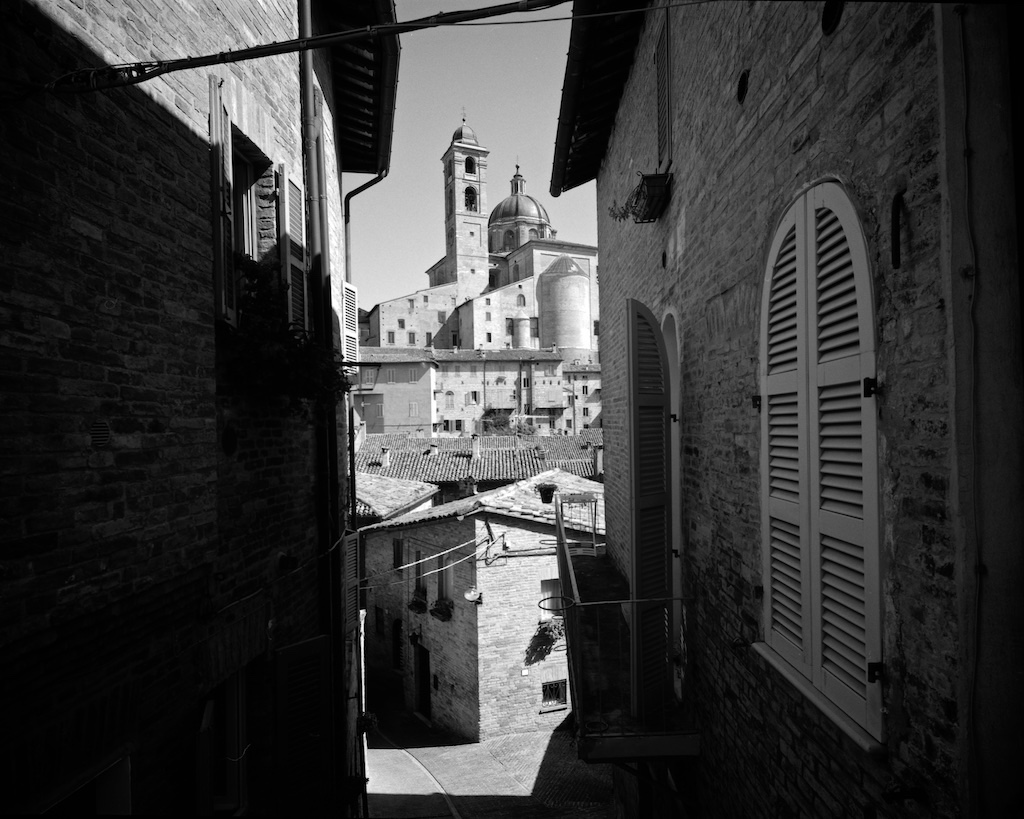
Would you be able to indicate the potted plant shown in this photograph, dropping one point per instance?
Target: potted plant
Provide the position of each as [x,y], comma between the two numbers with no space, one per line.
[547,492]
[442,610]
[418,605]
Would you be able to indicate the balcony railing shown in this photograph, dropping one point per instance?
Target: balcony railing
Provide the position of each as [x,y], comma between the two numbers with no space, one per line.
[622,691]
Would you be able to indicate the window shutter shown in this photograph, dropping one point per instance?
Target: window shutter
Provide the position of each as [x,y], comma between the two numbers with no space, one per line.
[225,286]
[843,438]
[304,721]
[351,570]
[784,455]
[350,331]
[651,569]
[291,230]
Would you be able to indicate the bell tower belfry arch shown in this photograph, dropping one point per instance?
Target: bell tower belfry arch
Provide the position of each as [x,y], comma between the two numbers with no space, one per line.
[464,166]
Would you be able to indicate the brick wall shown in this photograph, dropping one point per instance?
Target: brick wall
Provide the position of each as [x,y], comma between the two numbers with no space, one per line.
[860,106]
[143,552]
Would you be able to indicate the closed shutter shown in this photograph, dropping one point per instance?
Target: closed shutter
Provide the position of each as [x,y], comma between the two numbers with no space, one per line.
[291,230]
[351,573]
[651,549]
[350,331]
[819,479]
[844,525]
[304,724]
[224,283]
[784,457]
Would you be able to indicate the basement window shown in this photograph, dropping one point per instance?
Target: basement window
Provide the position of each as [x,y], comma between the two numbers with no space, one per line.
[553,695]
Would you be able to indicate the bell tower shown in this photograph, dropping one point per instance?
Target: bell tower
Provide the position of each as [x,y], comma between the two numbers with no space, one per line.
[465,213]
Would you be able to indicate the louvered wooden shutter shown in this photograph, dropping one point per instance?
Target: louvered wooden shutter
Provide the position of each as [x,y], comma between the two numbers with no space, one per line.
[663,67]
[291,231]
[304,725]
[351,574]
[350,331]
[650,471]
[842,437]
[784,449]
[224,283]
[819,476]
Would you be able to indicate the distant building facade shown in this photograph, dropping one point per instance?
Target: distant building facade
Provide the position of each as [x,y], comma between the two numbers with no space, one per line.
[506,284]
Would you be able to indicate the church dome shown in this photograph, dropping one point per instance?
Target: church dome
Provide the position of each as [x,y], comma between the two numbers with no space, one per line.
[519,207]
[465,134]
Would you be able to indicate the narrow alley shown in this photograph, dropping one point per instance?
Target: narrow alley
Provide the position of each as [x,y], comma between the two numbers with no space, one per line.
[417,772]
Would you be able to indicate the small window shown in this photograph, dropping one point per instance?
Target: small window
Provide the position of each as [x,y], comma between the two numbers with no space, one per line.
[380,410]
[487,302]
[586,412]
[488,338]
[449,400]
[526,382]
[391,375]
[368,375]
[534,328]
[509,326]
[430,338]
[455,339]
[471,199]
[414,375]
[458,426]
[448,168]
[414,409]
[412,339]
[510,240]
[585,389]
[444,579]
[391,336]
[597,328]
[470,165]
[401,324]
[412,303]
[426,299]
[520,300]
[397,553]
[487,316]
[457,369]
[419,589]
[442,316]
[515,272]
[553,694]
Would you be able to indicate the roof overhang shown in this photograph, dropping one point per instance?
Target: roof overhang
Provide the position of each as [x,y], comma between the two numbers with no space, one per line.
[599,61]
[364,74]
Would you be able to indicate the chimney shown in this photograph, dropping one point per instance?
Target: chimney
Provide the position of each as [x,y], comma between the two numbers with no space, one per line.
[598,460]
[433,449]
[385,457]
[476,445]
[467,487]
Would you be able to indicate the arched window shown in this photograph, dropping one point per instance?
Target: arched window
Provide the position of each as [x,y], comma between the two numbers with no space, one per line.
[471,199]
[470,165]
[515,272]
[450,203]
[819,456]
[510,240]
[449,400]
[533,233]
[520,300]
[451,237]
[448,168]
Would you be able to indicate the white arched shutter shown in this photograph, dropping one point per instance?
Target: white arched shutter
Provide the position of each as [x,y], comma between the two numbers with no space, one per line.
[650,482]
[784,451]
[842,436]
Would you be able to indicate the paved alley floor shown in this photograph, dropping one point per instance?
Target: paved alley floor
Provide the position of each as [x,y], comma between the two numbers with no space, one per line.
[416,771]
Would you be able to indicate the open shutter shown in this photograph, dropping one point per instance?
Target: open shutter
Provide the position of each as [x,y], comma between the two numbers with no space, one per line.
[304,723]
[650,481]
[662,61]
[291,231]
[844,523]
[225,286]
[350,331]
[783,443]
[351,584]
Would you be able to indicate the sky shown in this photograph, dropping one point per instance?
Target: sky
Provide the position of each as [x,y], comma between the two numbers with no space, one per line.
[508,79]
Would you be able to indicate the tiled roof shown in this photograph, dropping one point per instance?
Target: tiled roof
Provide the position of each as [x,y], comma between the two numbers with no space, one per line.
[386,355]
[381,497]
[502,458]
[518,500]
[497,355]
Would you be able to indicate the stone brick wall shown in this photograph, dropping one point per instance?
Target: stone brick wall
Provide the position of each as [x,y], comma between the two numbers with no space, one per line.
[861,106]
[158,531]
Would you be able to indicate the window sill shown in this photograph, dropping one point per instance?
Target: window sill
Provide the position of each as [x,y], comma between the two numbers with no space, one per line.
[551,708]
[861,738]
